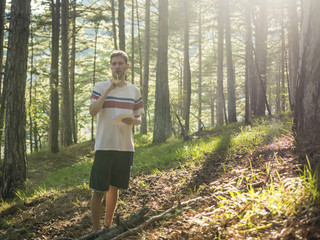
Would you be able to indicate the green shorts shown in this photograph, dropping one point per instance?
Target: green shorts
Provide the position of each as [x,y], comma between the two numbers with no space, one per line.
[110,168]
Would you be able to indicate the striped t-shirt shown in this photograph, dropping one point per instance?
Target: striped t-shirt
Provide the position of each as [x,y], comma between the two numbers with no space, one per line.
[121,100]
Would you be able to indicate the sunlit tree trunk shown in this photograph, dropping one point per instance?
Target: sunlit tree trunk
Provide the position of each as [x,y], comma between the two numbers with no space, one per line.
[278,90]
[307,114]
[162,120]
[139,44]
[72,73]
[200,69]
[14,167]
[250,73]
[66,118]
[30,91]
[145,85]
[132,42]
[232,115]
[261,55]
[283,65]
[293,40]
[122,38]
[54,78]
[186,70]
[3,85]
[94,70]
[220,100]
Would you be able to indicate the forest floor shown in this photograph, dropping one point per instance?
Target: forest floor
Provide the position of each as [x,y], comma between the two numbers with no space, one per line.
[66,214]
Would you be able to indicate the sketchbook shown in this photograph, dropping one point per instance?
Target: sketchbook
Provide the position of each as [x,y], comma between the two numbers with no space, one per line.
[119,118]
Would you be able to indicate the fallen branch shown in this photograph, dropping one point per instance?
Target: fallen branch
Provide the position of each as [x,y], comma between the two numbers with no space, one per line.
[112,232]
[158,217]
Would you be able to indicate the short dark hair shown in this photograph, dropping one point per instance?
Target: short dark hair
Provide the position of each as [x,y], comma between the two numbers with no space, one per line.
[119,53]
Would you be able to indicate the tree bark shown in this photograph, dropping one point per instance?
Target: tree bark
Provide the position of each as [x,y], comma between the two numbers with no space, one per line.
[162,120]
[186,69]
[232,113]
[200,68]
[14,167]
[132,42]
[261,55]
[72,72]
[293,40]
[54,78]
[122,37]
[145,85]
[250,73]
[66,118]
[3,87]
[30,92]
[139,44]
[114,29]
[307,114]
[94,71]
[220,100]
[283,65]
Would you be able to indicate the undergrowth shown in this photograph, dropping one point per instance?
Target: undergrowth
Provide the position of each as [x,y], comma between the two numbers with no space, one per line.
[238,211]
[68,168]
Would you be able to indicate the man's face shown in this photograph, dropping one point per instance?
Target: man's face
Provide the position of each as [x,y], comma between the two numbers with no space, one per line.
[118,67]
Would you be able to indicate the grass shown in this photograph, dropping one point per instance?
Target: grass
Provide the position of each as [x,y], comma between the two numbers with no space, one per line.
[238,211]
[254,209]
[71,166]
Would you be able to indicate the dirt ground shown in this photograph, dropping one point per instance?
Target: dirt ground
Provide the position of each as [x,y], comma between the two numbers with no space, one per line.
[66,215]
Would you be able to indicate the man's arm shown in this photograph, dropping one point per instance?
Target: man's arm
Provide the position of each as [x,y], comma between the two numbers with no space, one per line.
[96,106]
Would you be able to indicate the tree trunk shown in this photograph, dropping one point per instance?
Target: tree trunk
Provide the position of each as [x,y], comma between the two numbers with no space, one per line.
[145,85]
[94,71]
[186,70]
[72,73]
[261,54]
[122,37]
[54,78]
[220,100]
[66,118]
[293,39]
[30,92]
[307,114]
[200,70]
[212,104]
[232,115]
[2,84]
[139,44]
[132,42]
[250,73]
[14,167]
[278,90]
[283,65]
[162,120]
[114,29]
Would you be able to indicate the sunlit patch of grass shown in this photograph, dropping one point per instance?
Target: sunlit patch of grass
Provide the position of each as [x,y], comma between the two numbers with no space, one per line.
[250,211]
[233,138]
[69,177]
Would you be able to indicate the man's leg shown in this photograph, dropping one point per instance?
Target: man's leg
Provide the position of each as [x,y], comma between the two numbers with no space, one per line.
[96,209]
[111,203]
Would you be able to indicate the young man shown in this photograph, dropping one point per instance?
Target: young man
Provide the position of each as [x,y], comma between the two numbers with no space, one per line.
[118,106]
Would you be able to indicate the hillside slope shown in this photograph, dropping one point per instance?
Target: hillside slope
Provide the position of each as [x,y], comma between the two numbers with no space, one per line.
[254,194]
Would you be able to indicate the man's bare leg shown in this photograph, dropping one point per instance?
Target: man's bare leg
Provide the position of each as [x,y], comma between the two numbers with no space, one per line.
[96,209]
[111,203]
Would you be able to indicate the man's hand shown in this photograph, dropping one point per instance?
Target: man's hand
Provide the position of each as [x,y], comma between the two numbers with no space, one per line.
[96,106]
